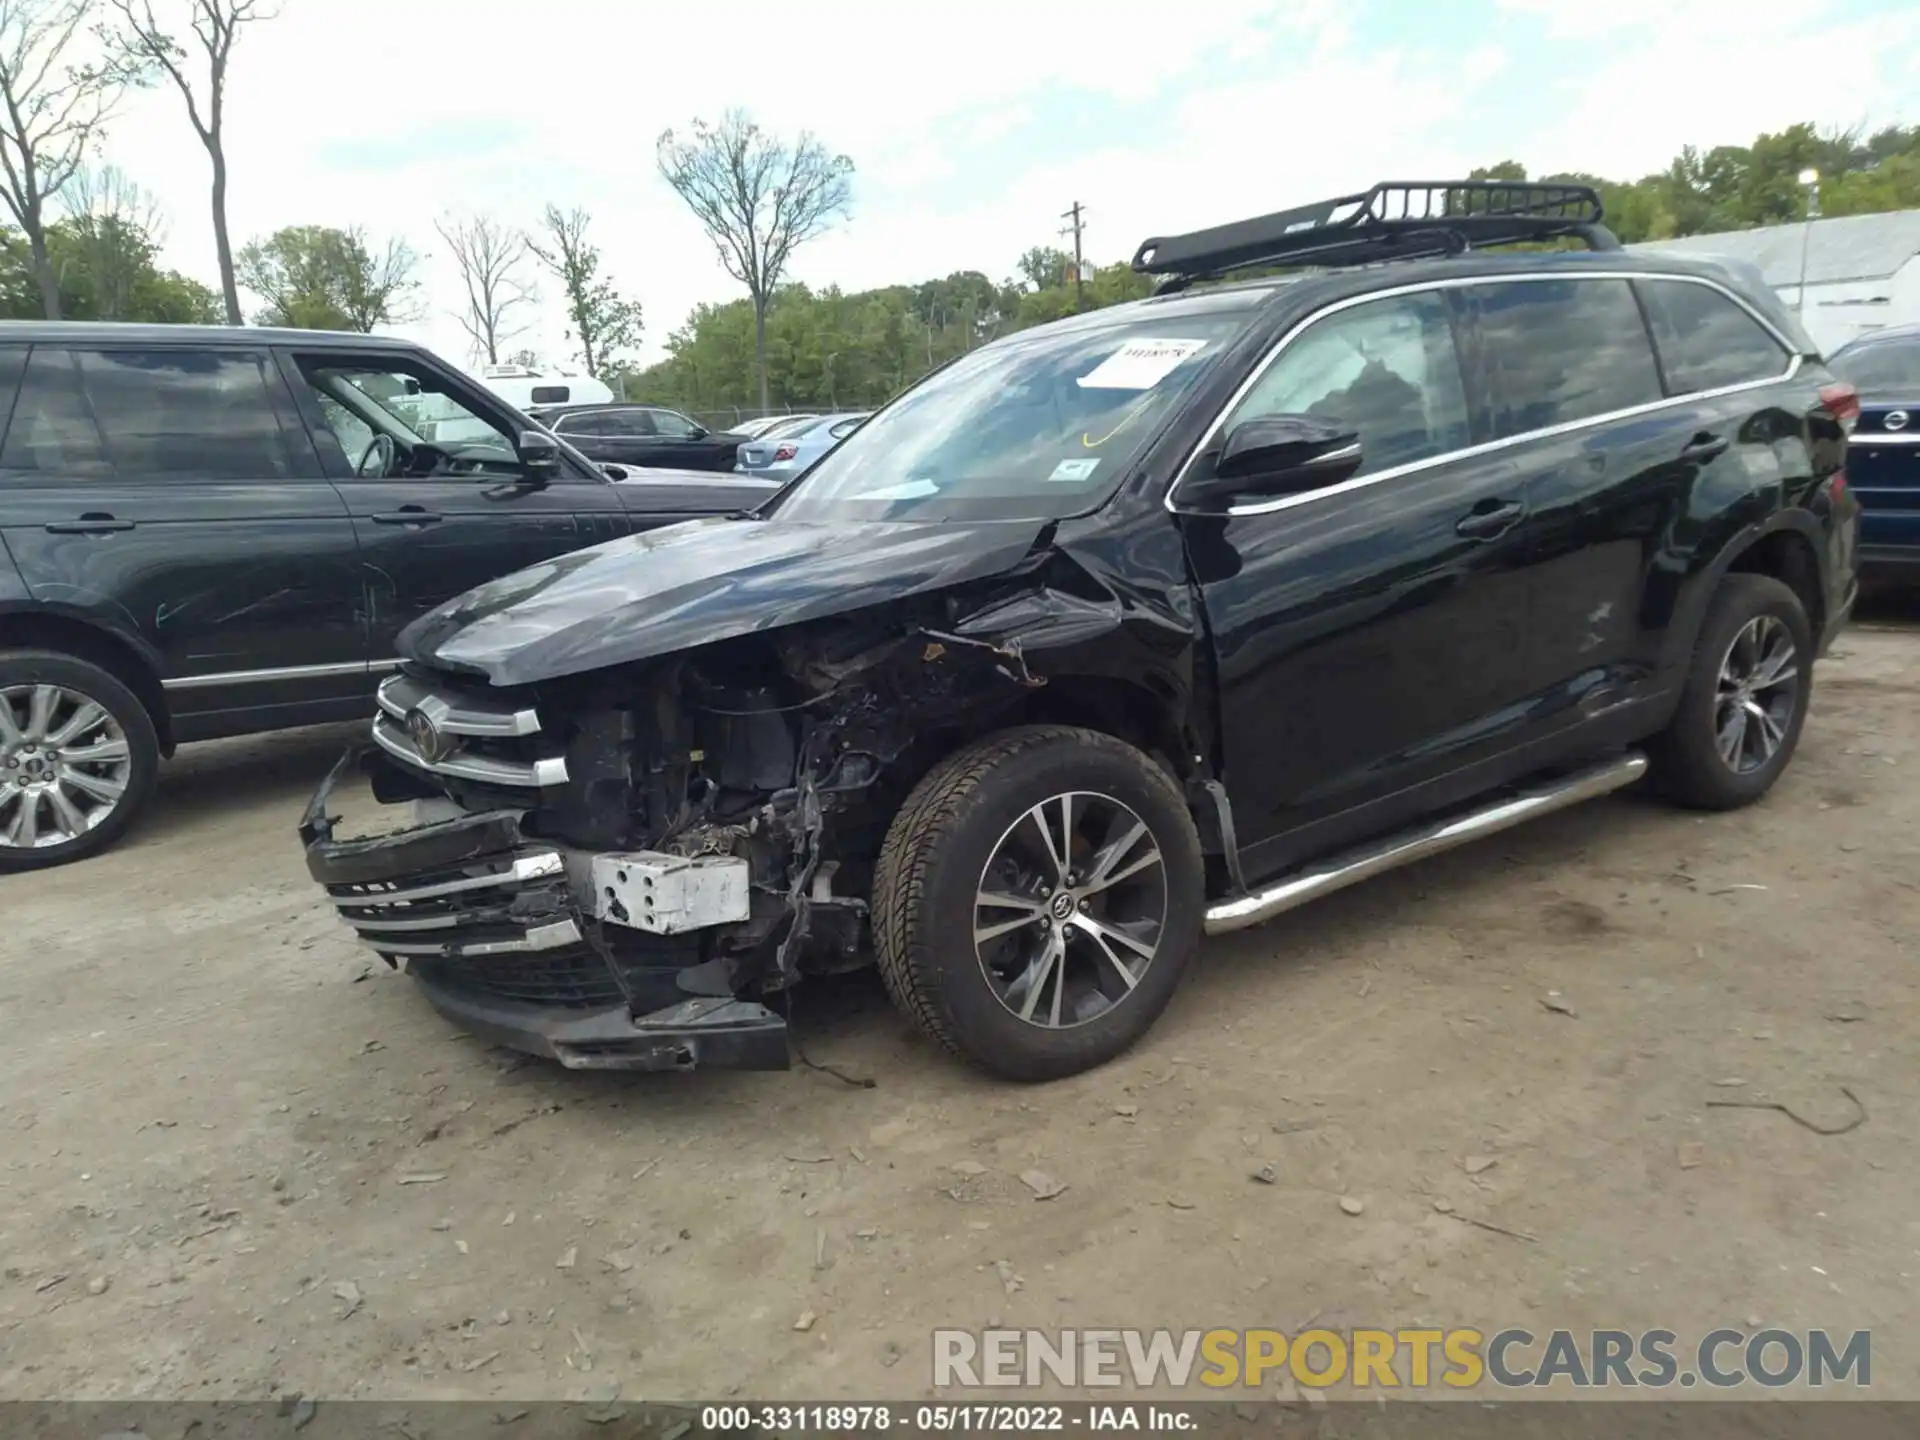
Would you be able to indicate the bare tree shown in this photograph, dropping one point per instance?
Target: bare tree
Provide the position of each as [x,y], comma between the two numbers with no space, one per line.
[145,46]
[117,227]
[489,255]
[54,109]
[759,200]
[598,319]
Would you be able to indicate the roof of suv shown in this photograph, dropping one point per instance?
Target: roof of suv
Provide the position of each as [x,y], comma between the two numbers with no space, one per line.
[117,332]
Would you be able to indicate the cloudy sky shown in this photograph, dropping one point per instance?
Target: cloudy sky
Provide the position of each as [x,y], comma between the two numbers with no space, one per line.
[972,126]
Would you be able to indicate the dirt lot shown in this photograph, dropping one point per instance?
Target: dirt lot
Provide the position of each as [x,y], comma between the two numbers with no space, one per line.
[241,1160]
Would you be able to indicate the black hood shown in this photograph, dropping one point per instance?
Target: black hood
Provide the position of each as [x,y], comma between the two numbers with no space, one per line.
[697,582]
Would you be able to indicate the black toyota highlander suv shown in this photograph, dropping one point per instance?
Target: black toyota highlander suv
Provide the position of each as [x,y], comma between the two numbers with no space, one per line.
[1148,623]
[205,532]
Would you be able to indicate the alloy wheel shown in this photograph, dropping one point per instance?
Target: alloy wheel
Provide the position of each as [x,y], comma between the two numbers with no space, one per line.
[64,765]
[1755,694]
[1070,909]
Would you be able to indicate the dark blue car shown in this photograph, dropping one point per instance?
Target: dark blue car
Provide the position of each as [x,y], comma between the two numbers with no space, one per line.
[1883,457]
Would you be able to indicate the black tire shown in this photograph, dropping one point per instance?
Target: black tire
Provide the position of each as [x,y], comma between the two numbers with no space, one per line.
[934,861]
[1688,764]
[20,672]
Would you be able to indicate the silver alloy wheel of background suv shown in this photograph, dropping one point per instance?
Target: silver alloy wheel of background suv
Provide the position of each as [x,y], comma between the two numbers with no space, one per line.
[65,765]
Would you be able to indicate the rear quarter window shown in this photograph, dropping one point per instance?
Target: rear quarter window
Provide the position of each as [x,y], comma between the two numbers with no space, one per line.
[1706,339]
[1562,351]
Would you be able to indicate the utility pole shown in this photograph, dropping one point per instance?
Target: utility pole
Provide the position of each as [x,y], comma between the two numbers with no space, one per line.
[1076,223]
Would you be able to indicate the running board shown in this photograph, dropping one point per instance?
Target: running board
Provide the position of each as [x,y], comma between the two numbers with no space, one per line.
[1408,846]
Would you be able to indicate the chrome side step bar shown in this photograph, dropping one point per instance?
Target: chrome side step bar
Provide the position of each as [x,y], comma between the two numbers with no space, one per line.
[1340,871]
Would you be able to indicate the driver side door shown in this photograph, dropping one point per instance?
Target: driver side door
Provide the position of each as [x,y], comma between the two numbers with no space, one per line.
[425,538]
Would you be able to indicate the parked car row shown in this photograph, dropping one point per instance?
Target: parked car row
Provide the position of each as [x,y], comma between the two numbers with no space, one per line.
[1883,461]
[651,436]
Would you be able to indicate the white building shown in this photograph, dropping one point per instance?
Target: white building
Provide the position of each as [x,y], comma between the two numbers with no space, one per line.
[1862,271]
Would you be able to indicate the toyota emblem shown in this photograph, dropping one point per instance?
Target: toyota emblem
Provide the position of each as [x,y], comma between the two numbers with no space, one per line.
[1897,419]
[428,742]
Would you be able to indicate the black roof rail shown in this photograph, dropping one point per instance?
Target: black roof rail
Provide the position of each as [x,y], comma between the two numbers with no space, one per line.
[1395,220]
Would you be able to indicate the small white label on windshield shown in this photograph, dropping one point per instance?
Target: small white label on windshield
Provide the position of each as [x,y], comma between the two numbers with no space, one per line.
[1140,364]
[1074,469]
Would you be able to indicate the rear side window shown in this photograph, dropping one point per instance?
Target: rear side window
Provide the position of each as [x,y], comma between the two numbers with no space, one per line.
[1706,340]
[185,414]
[1562,351]
[581,425]
[53,431]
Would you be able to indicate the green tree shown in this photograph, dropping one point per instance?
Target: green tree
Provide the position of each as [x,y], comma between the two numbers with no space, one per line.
[107,275]
[315,277]
[599,321]
[759,199]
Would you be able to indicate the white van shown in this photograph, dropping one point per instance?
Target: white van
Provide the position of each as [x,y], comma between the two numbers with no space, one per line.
[526,386]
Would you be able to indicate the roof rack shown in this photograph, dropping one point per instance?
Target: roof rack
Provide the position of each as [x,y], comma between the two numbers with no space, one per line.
[1395,220]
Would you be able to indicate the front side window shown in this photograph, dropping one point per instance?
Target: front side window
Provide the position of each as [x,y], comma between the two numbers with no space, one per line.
[1386,369]
[185,414]
[632,424]
[1043,424]
[674,427]
[1888,368]
[1706,340]
[54,433]
[392,422]
[1562,351]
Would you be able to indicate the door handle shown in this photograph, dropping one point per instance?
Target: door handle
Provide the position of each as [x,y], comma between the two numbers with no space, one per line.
[1490,518]
[92,522]
[1705,447]
[408,515]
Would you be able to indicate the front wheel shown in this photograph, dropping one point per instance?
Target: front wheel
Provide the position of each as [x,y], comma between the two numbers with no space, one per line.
[1745,699]
[1037,900]
[78,758]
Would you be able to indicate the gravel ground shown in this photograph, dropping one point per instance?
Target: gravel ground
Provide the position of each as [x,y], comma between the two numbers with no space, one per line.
[242,1160]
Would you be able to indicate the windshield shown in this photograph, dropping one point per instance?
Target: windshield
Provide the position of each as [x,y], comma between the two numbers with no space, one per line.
[1039,426]
[1890,367]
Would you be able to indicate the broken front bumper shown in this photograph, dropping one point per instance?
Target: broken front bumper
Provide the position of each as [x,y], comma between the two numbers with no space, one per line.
[486,920]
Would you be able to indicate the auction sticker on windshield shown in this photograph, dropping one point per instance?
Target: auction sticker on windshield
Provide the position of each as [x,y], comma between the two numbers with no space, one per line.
[1140,364]
[1074,469]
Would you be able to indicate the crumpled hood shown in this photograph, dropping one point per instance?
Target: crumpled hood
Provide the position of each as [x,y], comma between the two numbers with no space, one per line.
[697,582]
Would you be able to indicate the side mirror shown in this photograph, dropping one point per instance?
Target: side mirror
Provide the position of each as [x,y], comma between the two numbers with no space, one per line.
[539,456]
[1279,455]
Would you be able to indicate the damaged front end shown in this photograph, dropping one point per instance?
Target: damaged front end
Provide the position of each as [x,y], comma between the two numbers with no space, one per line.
[630,867]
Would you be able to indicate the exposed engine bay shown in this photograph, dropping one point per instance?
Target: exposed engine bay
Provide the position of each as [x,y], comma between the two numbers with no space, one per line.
[713,815]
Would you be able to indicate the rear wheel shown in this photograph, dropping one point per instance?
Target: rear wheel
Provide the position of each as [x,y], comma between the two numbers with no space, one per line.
[1037,900]
[78,758]
[1745,700]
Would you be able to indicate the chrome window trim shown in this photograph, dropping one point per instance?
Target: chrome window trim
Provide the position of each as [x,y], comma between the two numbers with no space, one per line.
[1461,282]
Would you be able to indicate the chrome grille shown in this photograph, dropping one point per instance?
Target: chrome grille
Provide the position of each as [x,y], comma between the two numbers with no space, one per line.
[461,736]
[506,906]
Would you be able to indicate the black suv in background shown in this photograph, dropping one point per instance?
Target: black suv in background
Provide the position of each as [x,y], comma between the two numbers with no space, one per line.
[205,532]
[1150,622]
[642,435]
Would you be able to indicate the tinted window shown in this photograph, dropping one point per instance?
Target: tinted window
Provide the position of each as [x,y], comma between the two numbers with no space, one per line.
[674,427]
[629,423]
[1386,369]
[548,395]
[1706,340]
[1564,350]
[191,414]
[583,425]
[1887,367]
[53,430]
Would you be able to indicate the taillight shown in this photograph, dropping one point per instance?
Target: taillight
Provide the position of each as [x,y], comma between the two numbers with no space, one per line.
[787,452]
[1842,402]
